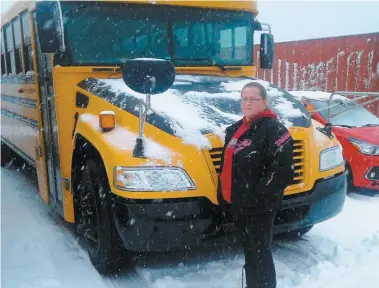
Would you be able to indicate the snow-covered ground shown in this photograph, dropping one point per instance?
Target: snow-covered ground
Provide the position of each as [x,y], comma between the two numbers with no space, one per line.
[39,250]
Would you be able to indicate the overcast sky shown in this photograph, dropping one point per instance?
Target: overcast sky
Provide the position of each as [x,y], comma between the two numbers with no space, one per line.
[295,20]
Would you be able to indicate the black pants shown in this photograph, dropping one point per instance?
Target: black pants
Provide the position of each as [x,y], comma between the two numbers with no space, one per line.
[256,236]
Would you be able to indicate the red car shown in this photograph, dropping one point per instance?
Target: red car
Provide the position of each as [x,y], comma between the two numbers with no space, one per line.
[358,132]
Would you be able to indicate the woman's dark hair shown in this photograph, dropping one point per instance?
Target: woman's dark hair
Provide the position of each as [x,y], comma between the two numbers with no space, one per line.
[262,89]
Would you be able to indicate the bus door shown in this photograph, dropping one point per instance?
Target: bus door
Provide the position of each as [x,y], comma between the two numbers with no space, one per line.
[49,124]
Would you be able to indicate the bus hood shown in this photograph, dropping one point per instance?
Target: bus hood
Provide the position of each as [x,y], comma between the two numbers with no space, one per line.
[197,105]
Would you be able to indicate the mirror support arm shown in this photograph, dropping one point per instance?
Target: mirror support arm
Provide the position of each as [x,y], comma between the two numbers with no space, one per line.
[268,27]
[139,149]
[61,22]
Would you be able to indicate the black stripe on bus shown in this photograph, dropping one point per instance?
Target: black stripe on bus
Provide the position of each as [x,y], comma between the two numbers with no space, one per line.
[20,101]
[125,102]
[17,150]
[28,121]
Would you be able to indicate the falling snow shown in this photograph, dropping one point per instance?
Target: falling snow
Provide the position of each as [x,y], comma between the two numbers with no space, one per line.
[341,252]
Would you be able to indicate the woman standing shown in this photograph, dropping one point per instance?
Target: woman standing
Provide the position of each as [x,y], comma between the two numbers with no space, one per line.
[257,166]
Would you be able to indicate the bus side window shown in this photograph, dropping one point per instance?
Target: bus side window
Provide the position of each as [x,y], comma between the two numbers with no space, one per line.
[3,65]
[9,57]
[17,45]
[27,45]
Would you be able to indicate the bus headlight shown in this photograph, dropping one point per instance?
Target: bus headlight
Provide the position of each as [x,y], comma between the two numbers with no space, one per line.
[331,158]
[152,179]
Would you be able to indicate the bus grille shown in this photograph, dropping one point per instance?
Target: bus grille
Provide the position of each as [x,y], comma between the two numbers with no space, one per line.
[298,160]
[215,154]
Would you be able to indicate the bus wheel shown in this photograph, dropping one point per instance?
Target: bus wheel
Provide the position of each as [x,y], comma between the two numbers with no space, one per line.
[94,222]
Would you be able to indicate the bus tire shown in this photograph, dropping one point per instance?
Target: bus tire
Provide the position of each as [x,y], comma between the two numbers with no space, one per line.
[94,223]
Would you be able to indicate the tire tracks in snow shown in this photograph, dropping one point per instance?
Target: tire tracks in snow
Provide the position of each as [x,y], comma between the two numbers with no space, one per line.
[129,277]
[303,254]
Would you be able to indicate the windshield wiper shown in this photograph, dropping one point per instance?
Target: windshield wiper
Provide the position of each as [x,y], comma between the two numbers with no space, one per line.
[76,9]
[222,68]
[342,125]
[370,125]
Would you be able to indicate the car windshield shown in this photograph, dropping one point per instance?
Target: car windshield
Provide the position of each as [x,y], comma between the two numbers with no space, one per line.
[356,116]
[108,33]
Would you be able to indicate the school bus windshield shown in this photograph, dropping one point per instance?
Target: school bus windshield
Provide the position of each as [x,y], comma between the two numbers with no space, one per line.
[107,33]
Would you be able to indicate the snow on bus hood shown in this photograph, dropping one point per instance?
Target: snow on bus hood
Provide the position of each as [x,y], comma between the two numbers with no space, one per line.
[125,140]
[197,105]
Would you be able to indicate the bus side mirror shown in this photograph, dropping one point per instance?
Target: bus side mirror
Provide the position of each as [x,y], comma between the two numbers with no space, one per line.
[266,51]
[50,26]
[147,76]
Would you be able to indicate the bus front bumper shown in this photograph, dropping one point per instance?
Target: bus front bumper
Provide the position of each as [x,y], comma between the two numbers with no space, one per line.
[179,224]
[323,202]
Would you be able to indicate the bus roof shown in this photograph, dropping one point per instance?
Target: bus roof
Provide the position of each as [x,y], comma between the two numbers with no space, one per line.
[250,6]
[16,8]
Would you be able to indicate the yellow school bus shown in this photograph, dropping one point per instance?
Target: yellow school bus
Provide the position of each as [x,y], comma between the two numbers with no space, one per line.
[135,172]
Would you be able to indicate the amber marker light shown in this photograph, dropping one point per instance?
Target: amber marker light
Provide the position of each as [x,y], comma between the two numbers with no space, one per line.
[107,120]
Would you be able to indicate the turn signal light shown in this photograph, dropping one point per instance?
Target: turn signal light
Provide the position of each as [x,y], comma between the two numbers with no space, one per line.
[107,120]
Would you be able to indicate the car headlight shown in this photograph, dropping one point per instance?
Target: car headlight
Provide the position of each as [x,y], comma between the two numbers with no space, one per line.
[331,158]
[364,147]
[152,179]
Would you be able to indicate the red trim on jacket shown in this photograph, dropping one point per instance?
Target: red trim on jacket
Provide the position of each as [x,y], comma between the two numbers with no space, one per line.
[226,173]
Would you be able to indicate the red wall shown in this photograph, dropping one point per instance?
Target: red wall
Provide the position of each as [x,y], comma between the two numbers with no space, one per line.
[346,63]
